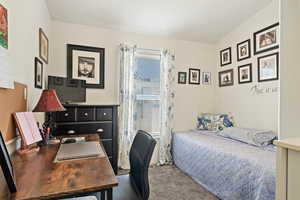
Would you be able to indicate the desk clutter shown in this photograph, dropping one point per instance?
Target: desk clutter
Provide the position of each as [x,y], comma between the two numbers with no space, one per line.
[37,176]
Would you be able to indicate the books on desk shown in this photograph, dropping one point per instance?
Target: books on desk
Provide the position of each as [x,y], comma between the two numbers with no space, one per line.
[80,150]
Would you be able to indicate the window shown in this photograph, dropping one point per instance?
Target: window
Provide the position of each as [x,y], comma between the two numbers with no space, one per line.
[147,90]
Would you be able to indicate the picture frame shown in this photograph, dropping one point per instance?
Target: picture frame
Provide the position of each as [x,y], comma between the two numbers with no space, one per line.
[245,73]
[4,27]
[266,39]
[7,166]
[206,78]
[226,78]
[268,67]
[182,76]
[225,56]
[243,50]
[38,73]
[86,63]
[194,76]
[43,46]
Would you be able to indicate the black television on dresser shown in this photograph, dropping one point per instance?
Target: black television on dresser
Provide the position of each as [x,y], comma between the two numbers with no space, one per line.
[68,90]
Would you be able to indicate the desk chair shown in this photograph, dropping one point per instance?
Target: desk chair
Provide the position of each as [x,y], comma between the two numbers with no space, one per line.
[135,186]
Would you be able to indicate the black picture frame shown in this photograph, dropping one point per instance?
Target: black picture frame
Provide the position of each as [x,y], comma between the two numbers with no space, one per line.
[204,82]
[229,56]
[238,47]
[230,83]
[7,166]
[272,47]
[250,73]
[180,74]
[276,67]
[101,66]
[191,81]
[38,73]
[43,46]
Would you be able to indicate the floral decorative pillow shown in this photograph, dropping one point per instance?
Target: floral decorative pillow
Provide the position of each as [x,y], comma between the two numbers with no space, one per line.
[214,122]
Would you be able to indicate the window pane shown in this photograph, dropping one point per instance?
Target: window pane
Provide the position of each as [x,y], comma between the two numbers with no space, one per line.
[147,84]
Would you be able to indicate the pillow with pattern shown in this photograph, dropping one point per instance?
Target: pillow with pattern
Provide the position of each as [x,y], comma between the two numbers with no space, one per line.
[214,122]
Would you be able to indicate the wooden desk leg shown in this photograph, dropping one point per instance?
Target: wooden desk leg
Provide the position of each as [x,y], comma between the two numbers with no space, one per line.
[110,194]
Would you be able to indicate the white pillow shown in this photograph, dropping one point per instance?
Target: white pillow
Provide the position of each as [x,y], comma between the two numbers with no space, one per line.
[251,136]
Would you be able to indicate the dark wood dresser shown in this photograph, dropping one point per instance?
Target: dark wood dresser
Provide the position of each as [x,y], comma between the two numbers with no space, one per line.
[91,119]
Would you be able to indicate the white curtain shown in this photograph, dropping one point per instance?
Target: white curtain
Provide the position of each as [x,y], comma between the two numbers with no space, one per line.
[127,98]
[127,116]
[167,106]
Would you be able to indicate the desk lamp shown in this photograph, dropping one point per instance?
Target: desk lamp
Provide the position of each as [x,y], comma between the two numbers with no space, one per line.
[48,102]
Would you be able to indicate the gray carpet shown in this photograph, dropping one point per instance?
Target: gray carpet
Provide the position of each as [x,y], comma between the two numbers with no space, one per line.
[169,183]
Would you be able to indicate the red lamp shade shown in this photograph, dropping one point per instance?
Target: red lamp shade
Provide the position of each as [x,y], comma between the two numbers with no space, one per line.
[48,102]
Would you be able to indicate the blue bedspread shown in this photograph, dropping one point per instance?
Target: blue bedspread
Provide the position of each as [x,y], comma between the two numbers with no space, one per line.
[229,169]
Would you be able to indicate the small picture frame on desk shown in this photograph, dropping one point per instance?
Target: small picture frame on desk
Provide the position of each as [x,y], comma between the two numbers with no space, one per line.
[6,166]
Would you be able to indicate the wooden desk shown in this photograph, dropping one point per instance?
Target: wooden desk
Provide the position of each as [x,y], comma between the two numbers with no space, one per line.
[38,177]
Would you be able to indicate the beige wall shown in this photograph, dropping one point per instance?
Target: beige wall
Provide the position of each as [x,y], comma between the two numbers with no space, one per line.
[190,99]
[290,69]
[25,19]
[249,109]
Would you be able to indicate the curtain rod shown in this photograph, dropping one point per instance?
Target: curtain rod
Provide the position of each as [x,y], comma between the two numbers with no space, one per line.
[148,49]
[157,50]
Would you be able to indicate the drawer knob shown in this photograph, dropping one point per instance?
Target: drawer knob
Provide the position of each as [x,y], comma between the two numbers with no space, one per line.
[100,130]
[104,114]
[71,132]
[86,114]
[66,114]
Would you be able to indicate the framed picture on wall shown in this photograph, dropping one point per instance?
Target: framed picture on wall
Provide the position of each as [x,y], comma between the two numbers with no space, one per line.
[245,73]
[3,27]
[194,76]
[243,50]
[266,39]
[44,46]
[226,78]
[38,73]
[206,78]
[225,56]
[86,63]
[182,77]
[268,67]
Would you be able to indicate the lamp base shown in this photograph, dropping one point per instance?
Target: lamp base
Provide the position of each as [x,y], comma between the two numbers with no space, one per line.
[28,150]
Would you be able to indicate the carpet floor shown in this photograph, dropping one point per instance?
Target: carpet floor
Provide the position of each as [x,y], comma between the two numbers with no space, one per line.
[169,183]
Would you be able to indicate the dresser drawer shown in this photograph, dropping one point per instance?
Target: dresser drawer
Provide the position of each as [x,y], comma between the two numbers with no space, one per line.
[104,114]
[108,147]
[65,116]
[103,129]
[85,114]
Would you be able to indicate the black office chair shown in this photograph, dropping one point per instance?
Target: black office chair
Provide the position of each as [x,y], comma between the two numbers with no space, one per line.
[135,186]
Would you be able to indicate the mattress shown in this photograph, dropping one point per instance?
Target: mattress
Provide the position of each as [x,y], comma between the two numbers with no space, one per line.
[229,169]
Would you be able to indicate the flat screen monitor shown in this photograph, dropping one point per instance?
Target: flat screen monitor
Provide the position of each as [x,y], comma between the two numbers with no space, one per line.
[68,90]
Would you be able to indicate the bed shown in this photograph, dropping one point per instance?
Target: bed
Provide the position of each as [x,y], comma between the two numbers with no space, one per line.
[230,169]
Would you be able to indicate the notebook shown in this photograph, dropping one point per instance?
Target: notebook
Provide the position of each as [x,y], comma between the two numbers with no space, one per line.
[28,128]
[80,150]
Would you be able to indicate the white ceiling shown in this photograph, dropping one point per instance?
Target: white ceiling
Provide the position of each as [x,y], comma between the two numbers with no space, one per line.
[194,20]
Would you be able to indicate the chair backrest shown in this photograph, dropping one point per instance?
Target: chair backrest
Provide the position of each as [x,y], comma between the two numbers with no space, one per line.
[140,156]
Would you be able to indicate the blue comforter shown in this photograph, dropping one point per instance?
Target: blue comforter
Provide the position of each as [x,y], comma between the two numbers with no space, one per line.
[230,169]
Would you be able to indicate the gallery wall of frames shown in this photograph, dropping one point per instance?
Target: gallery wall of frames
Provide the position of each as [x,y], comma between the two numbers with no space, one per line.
[264,42]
